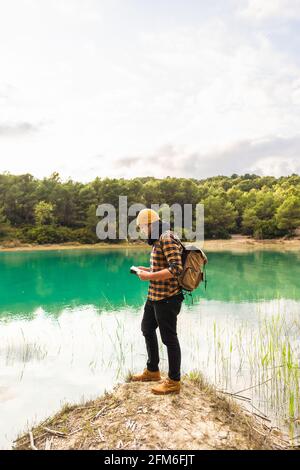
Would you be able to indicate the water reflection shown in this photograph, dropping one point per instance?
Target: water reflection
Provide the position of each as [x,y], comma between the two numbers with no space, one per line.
[70,328]
[54,280]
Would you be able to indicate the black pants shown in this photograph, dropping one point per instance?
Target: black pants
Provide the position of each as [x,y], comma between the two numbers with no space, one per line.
[163,314]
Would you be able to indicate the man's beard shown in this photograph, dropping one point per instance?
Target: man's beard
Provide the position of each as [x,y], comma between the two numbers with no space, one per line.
[157,228]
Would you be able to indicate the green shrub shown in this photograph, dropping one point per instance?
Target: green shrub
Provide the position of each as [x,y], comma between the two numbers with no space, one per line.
[47,234]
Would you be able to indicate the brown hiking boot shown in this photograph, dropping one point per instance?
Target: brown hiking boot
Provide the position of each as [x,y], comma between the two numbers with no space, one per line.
[146,376]
[166,386]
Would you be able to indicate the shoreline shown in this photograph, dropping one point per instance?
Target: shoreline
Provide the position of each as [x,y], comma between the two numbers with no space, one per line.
[237,242]
[131,417]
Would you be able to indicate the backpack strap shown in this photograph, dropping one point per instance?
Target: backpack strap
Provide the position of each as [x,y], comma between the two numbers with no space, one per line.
[174,238]
[184,292]
[205,275]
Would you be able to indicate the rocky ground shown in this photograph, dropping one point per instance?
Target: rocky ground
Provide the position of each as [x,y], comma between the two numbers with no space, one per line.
[131,417]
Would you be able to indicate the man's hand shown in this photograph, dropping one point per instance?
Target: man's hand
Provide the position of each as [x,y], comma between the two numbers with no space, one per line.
[142,268]
[144,275]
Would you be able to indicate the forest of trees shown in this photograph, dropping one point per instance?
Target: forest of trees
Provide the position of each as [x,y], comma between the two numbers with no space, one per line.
[49,210]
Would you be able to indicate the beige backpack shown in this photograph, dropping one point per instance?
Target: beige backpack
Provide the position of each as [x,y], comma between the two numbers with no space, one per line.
[193,261]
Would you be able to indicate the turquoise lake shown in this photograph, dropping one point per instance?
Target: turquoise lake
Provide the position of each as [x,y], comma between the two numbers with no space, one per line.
[70,329]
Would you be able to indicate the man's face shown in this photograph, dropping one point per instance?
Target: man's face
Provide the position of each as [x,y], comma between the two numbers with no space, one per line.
[144,228]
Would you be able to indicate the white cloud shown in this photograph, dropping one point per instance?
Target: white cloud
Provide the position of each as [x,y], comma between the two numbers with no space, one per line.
[127,89]
[8,129]
[269,9]
[268,156]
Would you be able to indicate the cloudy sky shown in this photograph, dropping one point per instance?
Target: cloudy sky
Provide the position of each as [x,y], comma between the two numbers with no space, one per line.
[126,88]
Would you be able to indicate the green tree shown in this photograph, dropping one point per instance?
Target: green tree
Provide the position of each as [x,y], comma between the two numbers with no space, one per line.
[4,223]
[219,217]
[288,214]
[259,219]
[264,207]
[250,220]
[43,213]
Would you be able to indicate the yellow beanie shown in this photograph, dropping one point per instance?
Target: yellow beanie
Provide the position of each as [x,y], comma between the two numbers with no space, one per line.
[147,216]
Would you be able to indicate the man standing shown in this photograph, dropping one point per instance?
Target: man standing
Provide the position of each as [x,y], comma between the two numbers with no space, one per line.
[163,302]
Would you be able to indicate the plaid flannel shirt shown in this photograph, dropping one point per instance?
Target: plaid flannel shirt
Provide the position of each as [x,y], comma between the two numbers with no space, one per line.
[166,253]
